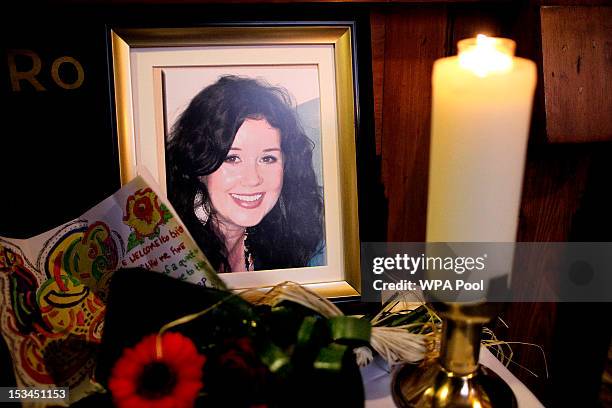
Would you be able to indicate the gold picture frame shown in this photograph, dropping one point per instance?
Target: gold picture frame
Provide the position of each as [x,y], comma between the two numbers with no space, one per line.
[141,56]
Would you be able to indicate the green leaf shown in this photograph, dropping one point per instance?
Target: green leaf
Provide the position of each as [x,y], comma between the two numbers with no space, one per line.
[133,242]
[166,211]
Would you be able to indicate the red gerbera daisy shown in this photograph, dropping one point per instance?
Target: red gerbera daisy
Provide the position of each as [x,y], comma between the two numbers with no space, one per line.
[142,379]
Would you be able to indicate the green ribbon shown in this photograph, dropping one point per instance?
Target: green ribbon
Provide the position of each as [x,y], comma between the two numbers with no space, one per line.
[274,357]
[347,328]
[313,332]
[319,341]
[330,357]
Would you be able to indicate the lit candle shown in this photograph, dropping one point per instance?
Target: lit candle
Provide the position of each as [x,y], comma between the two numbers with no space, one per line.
[481,108]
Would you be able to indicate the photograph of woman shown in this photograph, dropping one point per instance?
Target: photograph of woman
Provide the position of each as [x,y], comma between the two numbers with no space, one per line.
[240,174]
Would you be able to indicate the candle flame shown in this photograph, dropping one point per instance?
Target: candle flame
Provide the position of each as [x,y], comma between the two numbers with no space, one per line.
[486,55]
[483,40]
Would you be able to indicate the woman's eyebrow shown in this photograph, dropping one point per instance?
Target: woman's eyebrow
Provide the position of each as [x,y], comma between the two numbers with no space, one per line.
[272,149]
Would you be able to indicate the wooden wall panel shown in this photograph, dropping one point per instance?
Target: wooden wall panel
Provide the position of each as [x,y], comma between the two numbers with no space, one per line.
[592,222]
[468,21]
[415,38]
[573,2]
[577,64]
[377,30]
[554,182]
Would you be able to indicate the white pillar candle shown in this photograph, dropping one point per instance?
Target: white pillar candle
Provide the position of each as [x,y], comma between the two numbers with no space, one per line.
[481,108]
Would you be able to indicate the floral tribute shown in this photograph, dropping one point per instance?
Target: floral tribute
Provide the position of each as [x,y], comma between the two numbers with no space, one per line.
[286,348]
[144,214]
[159,372]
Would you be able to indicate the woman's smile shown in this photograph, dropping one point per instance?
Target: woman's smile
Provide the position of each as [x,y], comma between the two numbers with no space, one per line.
[247,185]
[248,201]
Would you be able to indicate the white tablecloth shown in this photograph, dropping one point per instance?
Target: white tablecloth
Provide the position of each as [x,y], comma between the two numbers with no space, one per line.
[376,380]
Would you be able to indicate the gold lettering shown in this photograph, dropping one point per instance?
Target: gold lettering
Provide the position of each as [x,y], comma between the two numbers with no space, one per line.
[30,76]
[56,77]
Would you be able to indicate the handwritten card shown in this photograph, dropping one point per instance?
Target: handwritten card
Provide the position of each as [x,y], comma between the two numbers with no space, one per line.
[54,286]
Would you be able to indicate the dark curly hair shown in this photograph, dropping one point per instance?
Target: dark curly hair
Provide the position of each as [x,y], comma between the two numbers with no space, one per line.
[292,232]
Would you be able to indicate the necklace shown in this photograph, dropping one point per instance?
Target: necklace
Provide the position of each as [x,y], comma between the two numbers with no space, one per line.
[248,257]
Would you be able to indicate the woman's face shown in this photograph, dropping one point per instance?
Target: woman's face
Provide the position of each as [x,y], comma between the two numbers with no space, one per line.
[248,183]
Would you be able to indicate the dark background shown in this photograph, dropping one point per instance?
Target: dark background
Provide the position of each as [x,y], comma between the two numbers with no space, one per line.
[59,148]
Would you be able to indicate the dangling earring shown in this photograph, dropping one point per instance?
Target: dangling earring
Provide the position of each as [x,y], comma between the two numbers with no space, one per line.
[248,256]
[201,207]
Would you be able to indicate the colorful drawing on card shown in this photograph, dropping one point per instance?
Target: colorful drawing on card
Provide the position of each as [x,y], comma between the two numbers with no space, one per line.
[42,354]
[54,286]
[78,261]
[84,254]
[58,307]
[144,214]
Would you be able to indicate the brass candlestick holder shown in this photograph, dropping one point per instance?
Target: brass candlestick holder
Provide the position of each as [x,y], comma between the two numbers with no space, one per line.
[454,379]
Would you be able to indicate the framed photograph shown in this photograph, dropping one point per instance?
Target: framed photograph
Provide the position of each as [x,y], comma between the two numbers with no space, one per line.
[250,130]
